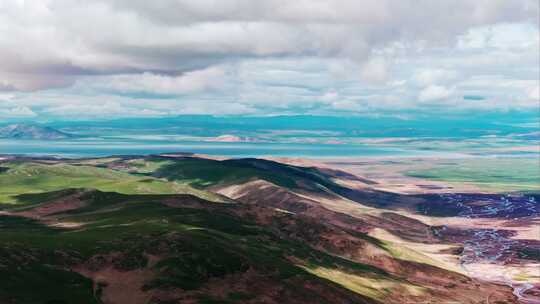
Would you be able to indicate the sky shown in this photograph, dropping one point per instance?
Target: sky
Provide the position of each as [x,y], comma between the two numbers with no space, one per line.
[107,59]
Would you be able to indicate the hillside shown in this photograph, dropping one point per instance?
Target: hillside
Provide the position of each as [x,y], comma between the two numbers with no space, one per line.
[182,229]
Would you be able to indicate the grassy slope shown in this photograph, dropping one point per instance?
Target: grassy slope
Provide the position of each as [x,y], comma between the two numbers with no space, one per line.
[132,215]
[28,275]
[202,173]
[206,172]
[26,177]
[490,174]
[204,244]
[133,220]
[116,221]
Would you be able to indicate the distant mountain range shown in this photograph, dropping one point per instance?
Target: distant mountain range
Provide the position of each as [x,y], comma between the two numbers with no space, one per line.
[26,131]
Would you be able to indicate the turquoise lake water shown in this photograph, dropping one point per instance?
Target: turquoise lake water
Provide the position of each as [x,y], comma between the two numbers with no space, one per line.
[293,136]
[106,147]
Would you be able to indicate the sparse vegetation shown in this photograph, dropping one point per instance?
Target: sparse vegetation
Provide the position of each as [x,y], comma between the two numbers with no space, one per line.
[80,222]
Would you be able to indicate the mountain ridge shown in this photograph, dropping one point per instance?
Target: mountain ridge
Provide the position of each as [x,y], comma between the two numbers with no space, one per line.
[31,131]
[180,229]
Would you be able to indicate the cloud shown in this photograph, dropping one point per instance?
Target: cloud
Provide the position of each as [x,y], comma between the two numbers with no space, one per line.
[433,93]
[347,105]
[177,36]
[189,82]
[112,58]
[16,112]
[534,93]
[6,87]
[427,77]
[114,109]
[375,71]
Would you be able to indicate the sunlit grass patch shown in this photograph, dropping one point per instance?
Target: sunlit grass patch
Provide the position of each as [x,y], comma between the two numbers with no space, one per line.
[494,174]
[147,165]
[24,178]
[371,286]
[415,252]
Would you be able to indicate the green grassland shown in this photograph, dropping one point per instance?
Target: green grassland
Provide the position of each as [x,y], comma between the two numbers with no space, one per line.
[500,174]
[200,244]
[29,177]
[123,213]
[127,211]
[202,173]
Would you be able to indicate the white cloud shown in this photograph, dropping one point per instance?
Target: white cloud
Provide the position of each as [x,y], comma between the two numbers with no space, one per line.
[178,36]
[347,105]
[152,58]
[534,93]
[189,82]
[427,77]
[433,93]
[503,36]
[6,96]
[16,112]
[375,71]
[114,109]
[330,96]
